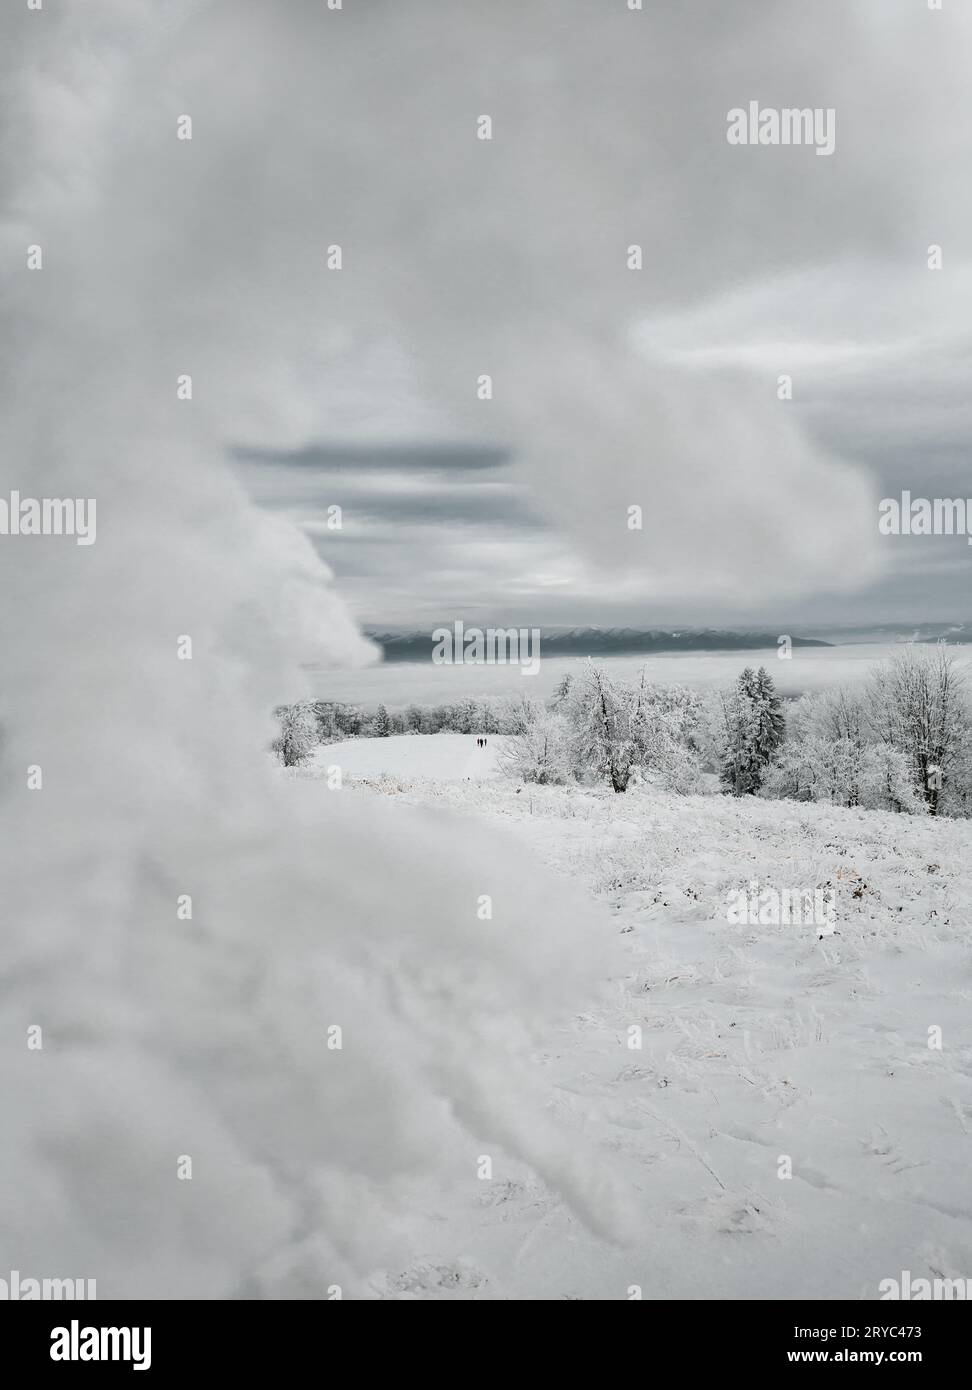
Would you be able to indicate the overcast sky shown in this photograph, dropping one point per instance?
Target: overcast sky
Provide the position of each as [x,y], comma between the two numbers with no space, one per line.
[615,387]
[611,387]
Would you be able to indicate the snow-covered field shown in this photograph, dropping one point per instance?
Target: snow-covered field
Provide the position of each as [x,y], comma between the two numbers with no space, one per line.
[763,1048]
[441,757]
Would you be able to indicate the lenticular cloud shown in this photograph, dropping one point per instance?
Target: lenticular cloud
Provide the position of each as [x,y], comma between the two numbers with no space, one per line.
[167,1038]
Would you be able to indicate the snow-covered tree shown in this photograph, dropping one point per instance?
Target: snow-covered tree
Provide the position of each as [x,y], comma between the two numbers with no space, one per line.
[562,692]
[607,730]
[348,720]
[917,703]
[886,783]
[487,717]
[516,712]
[754,729]
[814,767]
[668,727]
[298,733]
[463,718]
[324,713]
[769,724]
[540,752]
[380,725]
[822,758]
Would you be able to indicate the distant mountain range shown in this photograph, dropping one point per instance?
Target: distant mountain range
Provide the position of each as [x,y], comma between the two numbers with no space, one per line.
[897,632]
[610,641]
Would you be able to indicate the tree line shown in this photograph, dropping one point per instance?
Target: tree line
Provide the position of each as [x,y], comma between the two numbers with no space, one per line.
[901,741]
[308,723]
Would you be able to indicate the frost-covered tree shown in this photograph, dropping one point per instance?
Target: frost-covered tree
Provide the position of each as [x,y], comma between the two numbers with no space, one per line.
[607,730]
[917,704]
[823,756]
[348,720]
[668,727]
[813,767]
[901,744]
[769,724]
[886,782]
[514,713]
[562,692]
[324,713]
[487,717]
[298,733]
[380,727]
[541,751]
[442,717]
[464,717]
[754,729]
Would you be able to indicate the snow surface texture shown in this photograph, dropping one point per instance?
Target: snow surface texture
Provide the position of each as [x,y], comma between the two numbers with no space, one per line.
[758,1042]
[440,757]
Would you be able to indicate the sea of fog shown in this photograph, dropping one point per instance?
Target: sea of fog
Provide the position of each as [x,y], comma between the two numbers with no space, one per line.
[396,684]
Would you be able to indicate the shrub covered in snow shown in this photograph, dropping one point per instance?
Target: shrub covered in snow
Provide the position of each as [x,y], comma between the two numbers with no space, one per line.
[541,752]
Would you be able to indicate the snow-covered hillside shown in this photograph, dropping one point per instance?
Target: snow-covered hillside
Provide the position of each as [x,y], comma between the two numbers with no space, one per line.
[764,1049]
[441,757]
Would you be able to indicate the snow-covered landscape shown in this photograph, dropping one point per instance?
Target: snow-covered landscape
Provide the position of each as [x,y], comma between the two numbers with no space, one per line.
[755,1044]
[485,660]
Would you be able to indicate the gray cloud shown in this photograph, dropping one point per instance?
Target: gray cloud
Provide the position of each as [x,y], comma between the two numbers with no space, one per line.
[435,456]
[508,257]
[611,387]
